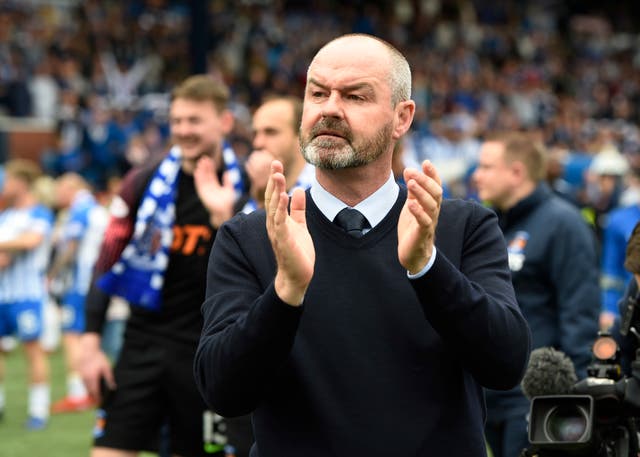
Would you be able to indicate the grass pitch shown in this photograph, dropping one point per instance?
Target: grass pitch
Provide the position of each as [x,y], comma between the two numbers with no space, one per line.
[67,435]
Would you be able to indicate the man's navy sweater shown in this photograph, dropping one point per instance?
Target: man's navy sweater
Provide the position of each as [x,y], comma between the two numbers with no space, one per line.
[373,363]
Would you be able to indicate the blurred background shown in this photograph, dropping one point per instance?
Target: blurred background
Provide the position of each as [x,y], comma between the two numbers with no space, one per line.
[84,86]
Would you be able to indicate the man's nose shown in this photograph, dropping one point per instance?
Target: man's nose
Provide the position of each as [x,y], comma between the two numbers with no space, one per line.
[332,107]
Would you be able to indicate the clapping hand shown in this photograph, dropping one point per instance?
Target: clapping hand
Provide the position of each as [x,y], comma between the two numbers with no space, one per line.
[419,217]
[290,238]
[217,198]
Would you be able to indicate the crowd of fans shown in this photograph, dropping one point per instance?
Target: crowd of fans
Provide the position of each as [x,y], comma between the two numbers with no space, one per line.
[100,72]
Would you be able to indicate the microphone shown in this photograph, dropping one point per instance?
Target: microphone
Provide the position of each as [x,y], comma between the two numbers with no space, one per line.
[550,372]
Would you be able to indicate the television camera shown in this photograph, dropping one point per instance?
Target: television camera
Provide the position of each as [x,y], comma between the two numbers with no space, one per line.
[596,416]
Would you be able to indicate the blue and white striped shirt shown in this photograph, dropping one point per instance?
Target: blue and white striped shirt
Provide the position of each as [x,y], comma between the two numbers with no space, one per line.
[85,224]
[24,278]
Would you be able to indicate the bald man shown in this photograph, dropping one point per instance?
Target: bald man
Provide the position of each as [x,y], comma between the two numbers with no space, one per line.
[360,317]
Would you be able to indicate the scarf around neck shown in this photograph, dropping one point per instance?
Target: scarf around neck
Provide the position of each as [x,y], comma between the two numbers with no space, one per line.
[138,276]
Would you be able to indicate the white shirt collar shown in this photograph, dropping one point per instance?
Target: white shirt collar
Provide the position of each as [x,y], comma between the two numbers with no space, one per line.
[375,207]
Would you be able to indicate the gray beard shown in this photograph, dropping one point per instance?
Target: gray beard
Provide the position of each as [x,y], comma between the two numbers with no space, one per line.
[338,154]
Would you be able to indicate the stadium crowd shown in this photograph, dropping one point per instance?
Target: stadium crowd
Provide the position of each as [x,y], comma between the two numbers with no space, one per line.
[101,72]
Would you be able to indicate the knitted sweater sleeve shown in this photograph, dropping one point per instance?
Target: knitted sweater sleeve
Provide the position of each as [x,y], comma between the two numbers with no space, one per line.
[248,331]
[469,299]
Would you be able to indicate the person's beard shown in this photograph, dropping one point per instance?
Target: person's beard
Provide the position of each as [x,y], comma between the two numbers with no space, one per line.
[341,153]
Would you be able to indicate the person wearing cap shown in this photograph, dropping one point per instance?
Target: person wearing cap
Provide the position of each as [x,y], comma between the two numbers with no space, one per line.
[604,186]
[616,232]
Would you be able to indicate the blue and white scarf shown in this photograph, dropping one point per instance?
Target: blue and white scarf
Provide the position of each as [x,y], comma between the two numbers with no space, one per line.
[233,169]
[138,276]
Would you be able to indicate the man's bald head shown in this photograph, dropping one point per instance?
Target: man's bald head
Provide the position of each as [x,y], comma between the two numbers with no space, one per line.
[398,70]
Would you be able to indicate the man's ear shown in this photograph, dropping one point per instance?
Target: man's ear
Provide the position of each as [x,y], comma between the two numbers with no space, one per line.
[404,112]
[519,170]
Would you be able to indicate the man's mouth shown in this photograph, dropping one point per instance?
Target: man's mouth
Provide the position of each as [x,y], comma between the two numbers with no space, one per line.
[329,133]
[331,129]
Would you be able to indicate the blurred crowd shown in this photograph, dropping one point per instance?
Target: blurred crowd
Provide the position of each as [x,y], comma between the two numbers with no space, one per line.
[100,71]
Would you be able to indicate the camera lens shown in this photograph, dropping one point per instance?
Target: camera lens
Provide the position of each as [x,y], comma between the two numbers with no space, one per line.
[566,423]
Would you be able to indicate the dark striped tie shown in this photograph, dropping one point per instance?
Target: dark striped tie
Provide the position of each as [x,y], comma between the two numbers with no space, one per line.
[352,221]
